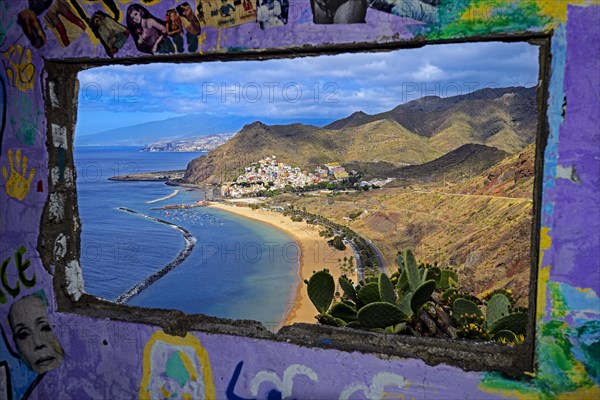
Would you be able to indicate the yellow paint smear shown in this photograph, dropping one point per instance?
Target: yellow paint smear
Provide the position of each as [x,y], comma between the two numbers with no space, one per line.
[543,273]
[201,40]
[187,363]
[557,10]
[480,11]
[543,278]
[511,393]
[165,393]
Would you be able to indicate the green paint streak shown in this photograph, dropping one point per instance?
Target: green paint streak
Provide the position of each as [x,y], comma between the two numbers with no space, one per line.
[560,371]
[560,308]
[495,382]
[486,17]
[568,356]
[588,336]
[176,370]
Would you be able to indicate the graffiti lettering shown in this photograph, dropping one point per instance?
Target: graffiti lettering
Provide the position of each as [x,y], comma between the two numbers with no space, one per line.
[17,185]
[376,390]
[21,70]
[21,266]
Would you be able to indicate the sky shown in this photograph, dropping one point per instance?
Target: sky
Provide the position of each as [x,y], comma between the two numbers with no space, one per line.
[315,90]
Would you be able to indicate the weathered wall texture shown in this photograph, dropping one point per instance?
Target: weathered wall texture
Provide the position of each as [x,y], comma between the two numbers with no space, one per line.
[104,358]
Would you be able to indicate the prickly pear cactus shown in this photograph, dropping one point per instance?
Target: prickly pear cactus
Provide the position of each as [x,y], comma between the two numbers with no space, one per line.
[515,322]
[348,288]
[448,278]
[462,306]
[402,284]
[369,293]
[344,312]
[321,288]
[422,295]
[412,270]
[386,289]
[380,315]
[434,273]
[497,307]
[400,262]
[403,303]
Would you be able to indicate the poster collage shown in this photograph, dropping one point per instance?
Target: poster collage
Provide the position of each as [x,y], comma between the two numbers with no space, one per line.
[179,29]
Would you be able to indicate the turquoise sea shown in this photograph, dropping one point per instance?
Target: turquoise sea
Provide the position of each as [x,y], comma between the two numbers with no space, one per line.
[239,268]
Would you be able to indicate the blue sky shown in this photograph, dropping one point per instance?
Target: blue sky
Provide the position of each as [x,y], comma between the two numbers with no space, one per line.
[307,89]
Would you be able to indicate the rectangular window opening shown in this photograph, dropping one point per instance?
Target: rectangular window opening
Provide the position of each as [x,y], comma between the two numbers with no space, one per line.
[218,188]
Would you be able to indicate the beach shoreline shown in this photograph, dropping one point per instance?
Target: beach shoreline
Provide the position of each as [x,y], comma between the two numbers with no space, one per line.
[315,254]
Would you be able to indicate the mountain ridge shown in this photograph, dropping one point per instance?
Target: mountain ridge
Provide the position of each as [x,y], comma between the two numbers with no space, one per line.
[413,133]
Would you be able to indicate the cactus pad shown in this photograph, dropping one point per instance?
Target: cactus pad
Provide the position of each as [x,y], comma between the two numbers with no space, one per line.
[404,304]
[321,288]
[412,270]
[422,295]
[369,293]
[434,273]
[462,306]
[402,284]
[348,288]
[448,278]
[497,307]
[344,312]
[380,315]
[386,289]
[515,322]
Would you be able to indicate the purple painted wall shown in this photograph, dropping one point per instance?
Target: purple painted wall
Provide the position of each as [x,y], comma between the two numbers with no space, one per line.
[108,359]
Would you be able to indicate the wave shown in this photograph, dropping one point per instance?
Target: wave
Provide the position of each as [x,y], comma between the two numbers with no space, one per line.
[190,242]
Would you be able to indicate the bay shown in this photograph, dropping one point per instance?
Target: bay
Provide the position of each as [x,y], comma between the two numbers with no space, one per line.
[239,268]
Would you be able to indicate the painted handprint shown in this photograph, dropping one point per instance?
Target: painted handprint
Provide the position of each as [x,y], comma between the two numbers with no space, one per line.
[16,184]
[21,70]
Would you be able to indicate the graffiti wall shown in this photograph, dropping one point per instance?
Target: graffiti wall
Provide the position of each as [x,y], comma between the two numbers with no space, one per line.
[50,352]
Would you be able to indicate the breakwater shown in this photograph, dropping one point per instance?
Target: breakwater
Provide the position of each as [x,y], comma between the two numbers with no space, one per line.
[190,242]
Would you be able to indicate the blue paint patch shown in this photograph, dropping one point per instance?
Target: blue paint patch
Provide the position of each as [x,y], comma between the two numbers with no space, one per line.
[584,305]
[555,104]
[549,208]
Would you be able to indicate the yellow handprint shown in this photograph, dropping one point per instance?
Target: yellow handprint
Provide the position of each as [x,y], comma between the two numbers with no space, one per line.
[21,71]
[16,184]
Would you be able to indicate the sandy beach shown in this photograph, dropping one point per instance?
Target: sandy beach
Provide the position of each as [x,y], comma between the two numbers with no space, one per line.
[316,254]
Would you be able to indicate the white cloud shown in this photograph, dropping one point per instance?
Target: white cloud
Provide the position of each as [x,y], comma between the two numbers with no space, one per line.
[428,73]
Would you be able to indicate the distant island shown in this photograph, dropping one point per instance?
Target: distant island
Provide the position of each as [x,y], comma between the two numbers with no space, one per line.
[194,144]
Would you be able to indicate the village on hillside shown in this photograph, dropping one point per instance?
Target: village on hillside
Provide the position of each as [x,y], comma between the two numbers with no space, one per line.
[268,176]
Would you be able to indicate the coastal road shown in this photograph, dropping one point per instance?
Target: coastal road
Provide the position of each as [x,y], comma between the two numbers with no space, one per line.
[360,266]
[378,254]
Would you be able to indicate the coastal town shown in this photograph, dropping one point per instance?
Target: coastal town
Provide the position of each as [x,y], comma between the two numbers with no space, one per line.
[269,175]
[191,145]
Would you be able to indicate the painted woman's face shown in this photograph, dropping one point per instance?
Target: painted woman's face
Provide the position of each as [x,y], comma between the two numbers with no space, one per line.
[135,16]
[33,335]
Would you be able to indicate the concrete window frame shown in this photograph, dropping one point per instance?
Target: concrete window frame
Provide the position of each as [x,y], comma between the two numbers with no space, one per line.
[61,229]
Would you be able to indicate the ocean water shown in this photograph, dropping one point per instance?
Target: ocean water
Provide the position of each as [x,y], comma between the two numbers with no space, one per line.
[239,268]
